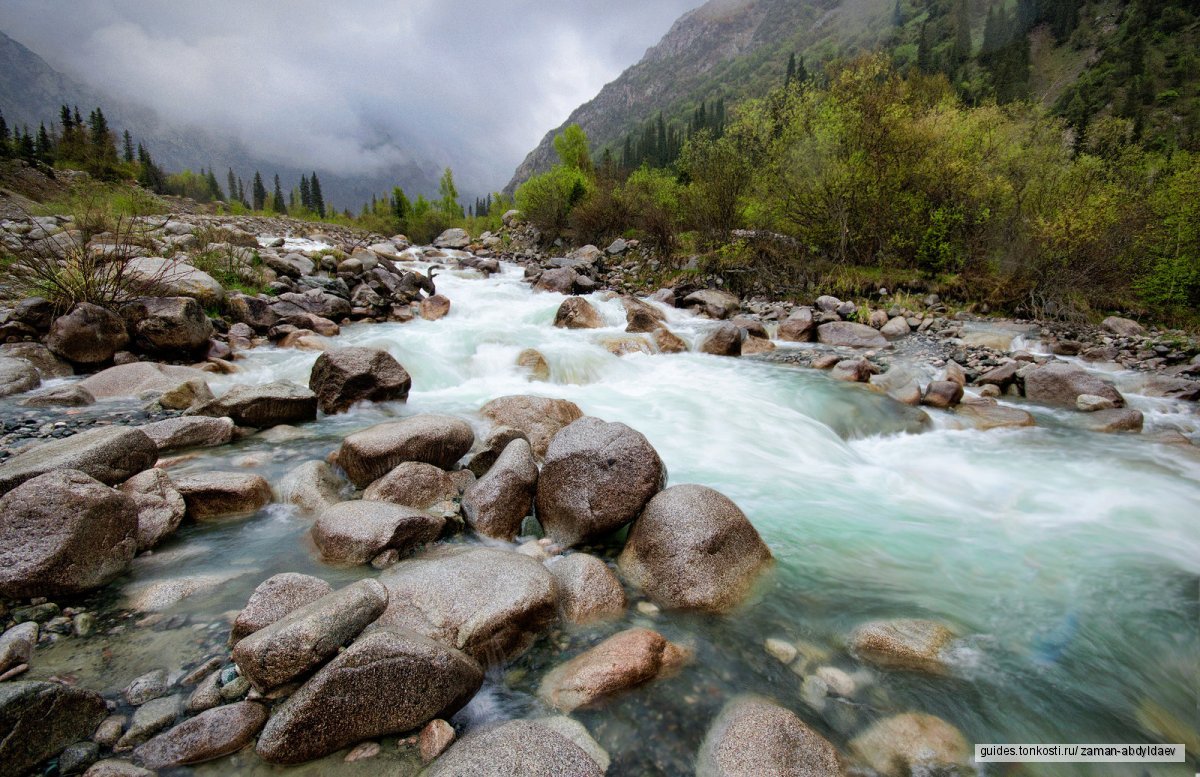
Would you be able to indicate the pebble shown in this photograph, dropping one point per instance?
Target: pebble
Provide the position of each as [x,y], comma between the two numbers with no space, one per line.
[151,685]
[362,752]
[781,649]
[648,609]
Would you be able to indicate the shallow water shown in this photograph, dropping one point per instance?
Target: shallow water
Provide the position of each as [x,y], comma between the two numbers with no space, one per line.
[1068,561]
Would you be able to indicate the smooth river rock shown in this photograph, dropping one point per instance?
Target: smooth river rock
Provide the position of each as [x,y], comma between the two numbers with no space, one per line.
[39,719]
[489,603]
[496,504]
[518,747]
[305,638]
[588,591]
[211,734]
[912,743]
[264,405]
[540,418]
[902,644]
[274,598]
[64,533]
[693,548]
[415,484]
[754,737]
[597,477]
[1059,383]
[370,454]
[213,495]
[388,682]
[110,454]
[850,334]
[189,432]
[312,486]
[88,335]
[356,532]
[624,661]
[160,506]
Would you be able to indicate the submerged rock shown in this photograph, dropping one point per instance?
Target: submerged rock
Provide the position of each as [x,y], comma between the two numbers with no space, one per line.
[902,644]
[753,737]
[415,484]
[312,486]
[64,533]
[911,743]
[597,477]
[624,661]
[388,682]
[109,454]
[305,638]
[692,548]
[40,719]
[1059,383]
[489,603]
[344,376]
[439,440]
[274,598]
[518,747]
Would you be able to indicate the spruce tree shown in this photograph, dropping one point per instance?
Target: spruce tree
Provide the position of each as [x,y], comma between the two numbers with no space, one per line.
[25,147]
[791,70]
[962,33]
[400,207]
[43,146]
[258,192]
[897,15]
[214,187]
[5,148]
[231,184]
[280,206]
[64,118]
[318,200]
[128,146]
[241,193]
[305,193]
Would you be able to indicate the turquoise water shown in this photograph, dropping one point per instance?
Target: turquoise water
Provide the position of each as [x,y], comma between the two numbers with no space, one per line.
[1066,561]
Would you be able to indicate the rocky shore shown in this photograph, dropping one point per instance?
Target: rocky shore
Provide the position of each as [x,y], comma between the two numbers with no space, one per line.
[473,549]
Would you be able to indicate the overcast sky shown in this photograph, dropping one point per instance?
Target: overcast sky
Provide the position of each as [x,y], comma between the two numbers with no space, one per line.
[361,84]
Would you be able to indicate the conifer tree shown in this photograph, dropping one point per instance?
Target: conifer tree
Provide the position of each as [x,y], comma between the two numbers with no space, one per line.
[318,201]
[305,193]
[280,206]
[962,33]
[214,187]
[43,146]
[128,146]
[5,147]
[897,15]
[231,184]
[258,192]
[401,207]
[241,190]
[25,147]
[791,70]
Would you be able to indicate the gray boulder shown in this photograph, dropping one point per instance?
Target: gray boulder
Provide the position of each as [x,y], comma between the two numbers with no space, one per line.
[160,506]
[518,747]
[1061,384]
[489,603]
[316,301]
[312,486]
[692,548]
[88,335]
[344,376]
[725,340]
[17,376]
[264,405]
[40,719]
[752,737]
[138,378]
[16,645]
[453,238]
[176,278]
[597,477]
[189,432]
[498,502]
[540,418]
[307,637]
[274,598]
[211,734]
[439,440]
[713,303]
[588,591]
[46,363]
[799,327]
[416,484]
[560,280]
[212,495]
[358,531]
[293,265]
[849,334]
[175,326]
[1122,327]
[252,311]
[64,533]
[388,682]
[109,454]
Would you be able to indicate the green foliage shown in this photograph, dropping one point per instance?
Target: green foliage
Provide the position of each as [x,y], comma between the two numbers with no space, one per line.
[448,205]
[547,199]
[572,148]
[653,199]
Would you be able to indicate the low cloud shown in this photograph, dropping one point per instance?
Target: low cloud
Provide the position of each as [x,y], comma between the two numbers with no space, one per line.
[358,86]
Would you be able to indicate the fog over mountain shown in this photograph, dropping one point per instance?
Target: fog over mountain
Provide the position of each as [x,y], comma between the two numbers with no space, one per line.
[362,88]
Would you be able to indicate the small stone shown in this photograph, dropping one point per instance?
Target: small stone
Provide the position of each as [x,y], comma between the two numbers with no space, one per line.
[782,650]
[362,752]
[108,733]
[435,738]
[151,685]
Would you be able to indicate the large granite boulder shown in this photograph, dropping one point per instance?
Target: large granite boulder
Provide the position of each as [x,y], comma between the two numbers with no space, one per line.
[264,405]
[176,278]
[692,548]
[626,660]
[588,591]
[578,313]
[88,335]
[753,737]
[496,504]
[138,378]
[388,682]
[344,376]
[439,440]
[274,598]
[189,432]
[489,603]
[308,636]
[454,238]
[64,533]
[312,486]
[540,418]
[416,484]
[17,376]
[39,719]
[1061,384]
[110,454]
[518,747]
[713,303]
[358,531]
[597,477]
[725,340]
[175,326]
[212,495]
[799,327]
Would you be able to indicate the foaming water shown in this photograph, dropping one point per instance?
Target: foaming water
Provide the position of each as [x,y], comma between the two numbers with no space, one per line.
[1068,561]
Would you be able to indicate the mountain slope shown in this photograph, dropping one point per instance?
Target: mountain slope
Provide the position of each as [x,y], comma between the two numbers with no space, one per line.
[31,92]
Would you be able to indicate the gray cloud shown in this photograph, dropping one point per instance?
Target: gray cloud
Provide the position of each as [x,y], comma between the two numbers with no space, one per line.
[359,85]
